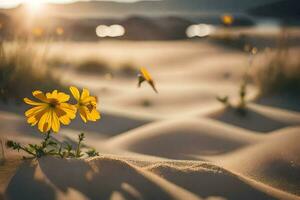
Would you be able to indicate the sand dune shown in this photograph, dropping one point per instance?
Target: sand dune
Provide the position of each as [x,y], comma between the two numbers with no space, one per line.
[108,178]
[208,180]
[103,127]
[179,144]
[97,179]
[249,119]
[181,139]
[275,160]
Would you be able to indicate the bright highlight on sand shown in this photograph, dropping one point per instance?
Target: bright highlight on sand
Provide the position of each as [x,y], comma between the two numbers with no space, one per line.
[115,30]
[199,30]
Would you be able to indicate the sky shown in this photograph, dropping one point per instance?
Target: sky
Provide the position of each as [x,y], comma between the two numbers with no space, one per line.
[14,3]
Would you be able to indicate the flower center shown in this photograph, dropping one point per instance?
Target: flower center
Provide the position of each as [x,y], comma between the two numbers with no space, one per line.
[90,106]
[53,103]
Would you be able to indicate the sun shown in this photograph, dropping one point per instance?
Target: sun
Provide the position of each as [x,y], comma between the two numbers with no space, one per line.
[33,5]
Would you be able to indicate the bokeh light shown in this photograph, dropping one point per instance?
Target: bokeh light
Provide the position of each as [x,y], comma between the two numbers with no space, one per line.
[115,30]
[227,19]
[59,31]
[102,31]
[38,31]
[199,30]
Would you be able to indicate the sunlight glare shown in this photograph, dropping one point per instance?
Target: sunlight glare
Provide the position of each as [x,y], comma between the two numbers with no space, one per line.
[33,5]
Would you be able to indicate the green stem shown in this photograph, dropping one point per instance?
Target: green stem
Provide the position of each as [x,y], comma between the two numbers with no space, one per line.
[80,139]
[78,149]
[59,152]
[27,151]
[45,142]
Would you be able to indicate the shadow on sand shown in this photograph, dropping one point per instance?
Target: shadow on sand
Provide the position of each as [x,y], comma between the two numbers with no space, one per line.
[100,178]
[250,119]
[24,185]
[207,182]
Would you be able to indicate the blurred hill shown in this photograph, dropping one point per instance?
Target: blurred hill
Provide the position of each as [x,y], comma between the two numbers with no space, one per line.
[286,10]
[83,29]
[148,8]
[143,20]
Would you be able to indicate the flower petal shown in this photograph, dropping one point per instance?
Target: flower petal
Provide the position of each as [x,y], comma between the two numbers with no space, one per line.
[34,110]
[145,74]
[62,97]
[89,99]
[36,117]
[69,109]
[55,123]
[44,124]
[33,103]
[65,120]
[94,115]
[52,95]
[59,112]
[40,95]
[75,92]
[85,93]
[83,113]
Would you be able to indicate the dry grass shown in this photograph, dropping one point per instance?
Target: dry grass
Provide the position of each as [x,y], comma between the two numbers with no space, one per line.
[128,70]
[280,75]
[101,67]
[22,71]
[229,40]
[57,62]
[93,66]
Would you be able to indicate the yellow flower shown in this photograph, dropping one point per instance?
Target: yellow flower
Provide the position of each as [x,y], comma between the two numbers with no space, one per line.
[144,75]
[86,104]
[51,111]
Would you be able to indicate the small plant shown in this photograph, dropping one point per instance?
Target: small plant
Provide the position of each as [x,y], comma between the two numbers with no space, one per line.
[92,153]
[68,151]
[2,155]
[80,139]
[242,95]
[47,114]
[223,100]
[47,147]
[252,51]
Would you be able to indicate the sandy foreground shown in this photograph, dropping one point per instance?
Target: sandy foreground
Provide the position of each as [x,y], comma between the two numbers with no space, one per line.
[179,144]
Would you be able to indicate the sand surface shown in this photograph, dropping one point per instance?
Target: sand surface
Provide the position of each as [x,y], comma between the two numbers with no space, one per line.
[181,144]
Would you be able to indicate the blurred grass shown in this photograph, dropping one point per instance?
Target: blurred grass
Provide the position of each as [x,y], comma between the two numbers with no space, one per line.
[93,66]
[128,69]
[228,40]
[57,62]
[280,75]
[98,66]
[22,70]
